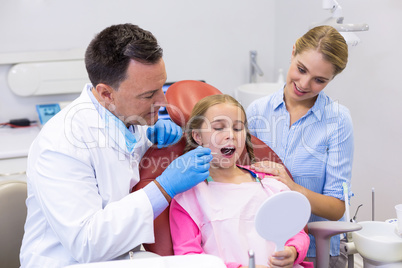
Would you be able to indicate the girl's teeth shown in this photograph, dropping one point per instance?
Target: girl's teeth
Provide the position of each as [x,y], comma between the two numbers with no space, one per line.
[227,151]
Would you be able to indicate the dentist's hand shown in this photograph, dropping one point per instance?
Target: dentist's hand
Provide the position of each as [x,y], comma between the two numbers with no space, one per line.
[165,133]
[186,171]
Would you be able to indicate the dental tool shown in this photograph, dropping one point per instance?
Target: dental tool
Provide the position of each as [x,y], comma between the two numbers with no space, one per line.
[372,204]
[251,261]
[346,194]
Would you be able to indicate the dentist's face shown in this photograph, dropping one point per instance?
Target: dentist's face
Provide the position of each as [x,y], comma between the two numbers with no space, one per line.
[309,73]
[139,97]
[224,132]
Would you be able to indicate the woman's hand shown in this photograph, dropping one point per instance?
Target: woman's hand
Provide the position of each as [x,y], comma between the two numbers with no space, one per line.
[284,258]
[278,172]
[324,206]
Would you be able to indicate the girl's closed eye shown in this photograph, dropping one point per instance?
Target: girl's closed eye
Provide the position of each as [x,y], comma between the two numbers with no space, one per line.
[239,126]
[218,128]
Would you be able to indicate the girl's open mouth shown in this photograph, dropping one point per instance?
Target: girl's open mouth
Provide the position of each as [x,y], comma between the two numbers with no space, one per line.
[228,150]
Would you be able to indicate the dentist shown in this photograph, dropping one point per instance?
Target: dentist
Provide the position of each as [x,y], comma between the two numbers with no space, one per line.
[84,162]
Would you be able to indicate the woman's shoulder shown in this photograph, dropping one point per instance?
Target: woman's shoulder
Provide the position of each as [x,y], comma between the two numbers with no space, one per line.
[263,102]
[334,109]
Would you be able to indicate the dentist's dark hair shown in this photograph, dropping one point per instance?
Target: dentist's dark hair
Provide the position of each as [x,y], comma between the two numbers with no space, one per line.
[197,118]
[109,53]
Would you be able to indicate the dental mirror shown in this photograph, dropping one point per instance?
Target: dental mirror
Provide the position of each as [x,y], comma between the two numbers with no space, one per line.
[282,216]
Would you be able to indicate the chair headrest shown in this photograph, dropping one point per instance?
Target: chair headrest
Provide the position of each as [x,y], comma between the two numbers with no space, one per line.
[183,95]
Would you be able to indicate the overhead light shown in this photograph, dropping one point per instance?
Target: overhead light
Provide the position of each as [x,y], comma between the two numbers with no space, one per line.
[336,20]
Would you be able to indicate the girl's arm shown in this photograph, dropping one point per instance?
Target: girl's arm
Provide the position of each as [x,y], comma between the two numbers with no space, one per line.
[186,236]
[301,243]
[294,253]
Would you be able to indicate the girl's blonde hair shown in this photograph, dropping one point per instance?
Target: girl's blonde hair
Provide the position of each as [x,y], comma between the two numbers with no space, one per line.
[197,118]
[329,42]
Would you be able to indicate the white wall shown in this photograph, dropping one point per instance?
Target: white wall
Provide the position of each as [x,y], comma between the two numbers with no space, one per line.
[207,39]
[369,87]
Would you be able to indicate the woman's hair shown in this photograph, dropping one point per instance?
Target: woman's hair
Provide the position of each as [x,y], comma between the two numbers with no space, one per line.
[329,42]
[197,118]
[109,53]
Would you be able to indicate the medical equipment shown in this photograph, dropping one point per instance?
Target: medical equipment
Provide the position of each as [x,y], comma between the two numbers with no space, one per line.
[251,259]
[346,196]
[181,98]
[372,203]
[291,212]
[163,114]
[47,111]
[379,244]
[47,77]
[337,21]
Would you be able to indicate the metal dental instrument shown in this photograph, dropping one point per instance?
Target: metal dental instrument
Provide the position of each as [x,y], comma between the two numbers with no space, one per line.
[251,260]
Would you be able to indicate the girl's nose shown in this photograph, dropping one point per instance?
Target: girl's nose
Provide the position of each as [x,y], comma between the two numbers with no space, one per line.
[230,134]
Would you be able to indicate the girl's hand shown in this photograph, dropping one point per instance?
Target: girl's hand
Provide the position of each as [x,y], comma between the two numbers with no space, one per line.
[277,171]
[284,258]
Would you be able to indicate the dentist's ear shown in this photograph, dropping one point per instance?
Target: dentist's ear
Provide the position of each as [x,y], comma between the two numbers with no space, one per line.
[105,94]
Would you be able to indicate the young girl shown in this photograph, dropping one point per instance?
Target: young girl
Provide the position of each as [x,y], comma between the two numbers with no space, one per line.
[217,216]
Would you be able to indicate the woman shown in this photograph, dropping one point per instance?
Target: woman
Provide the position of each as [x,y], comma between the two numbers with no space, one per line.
[217,216]
[312,134]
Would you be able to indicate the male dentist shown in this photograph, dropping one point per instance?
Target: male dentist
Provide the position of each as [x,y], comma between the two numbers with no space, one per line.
[84,162]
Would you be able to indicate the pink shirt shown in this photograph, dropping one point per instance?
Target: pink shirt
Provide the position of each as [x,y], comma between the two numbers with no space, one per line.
[202,217]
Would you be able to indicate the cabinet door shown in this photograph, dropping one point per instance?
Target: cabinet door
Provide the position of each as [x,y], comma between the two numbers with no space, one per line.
[13,168]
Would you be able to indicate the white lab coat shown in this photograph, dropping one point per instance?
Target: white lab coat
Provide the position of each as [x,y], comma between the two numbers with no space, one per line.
[79,180]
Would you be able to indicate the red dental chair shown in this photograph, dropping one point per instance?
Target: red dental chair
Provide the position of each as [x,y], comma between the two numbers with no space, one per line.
[181,98]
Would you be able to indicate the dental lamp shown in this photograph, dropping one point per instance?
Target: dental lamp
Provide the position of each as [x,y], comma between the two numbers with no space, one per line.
[336,21]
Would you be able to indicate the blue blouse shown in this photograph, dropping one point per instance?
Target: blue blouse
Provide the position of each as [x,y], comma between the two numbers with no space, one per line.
[317,149]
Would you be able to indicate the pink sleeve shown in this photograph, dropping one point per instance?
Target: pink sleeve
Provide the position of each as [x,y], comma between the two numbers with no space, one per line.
[186,235]
[301,242]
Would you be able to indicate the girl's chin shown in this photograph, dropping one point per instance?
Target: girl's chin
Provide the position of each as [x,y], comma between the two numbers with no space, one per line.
[222,164]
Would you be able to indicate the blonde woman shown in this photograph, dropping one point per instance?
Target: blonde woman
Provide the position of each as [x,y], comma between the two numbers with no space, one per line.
[312,134]
[217,216]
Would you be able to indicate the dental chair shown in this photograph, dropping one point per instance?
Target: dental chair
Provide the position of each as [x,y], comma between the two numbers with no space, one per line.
[13,213]
[181,98]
